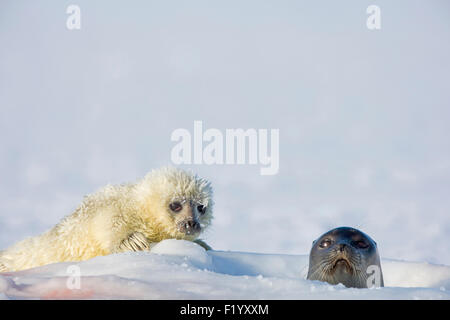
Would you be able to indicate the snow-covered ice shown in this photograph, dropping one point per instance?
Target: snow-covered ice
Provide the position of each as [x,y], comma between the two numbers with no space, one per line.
[177,269]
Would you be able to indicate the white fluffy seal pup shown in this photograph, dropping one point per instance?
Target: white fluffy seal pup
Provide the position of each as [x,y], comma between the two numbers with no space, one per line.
[167,203]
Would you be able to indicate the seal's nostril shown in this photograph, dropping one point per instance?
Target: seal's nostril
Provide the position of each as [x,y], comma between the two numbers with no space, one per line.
[342,247]
[189,226]
[193,225]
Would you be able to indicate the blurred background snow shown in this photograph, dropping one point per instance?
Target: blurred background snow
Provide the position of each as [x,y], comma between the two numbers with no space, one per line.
[363,115]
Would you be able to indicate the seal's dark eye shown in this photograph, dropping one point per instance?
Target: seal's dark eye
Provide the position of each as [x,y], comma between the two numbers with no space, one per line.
[360,244]
[175,206]
[201,209]
[325,243]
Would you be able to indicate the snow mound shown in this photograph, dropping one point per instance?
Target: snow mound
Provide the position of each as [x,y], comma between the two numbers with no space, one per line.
[185,252]
[177,269]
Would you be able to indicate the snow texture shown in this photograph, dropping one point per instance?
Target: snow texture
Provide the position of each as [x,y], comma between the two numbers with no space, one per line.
[364,136]
[178,269]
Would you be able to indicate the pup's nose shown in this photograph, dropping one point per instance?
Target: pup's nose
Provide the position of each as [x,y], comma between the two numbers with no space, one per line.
[189,226]
[192,225]
[342,247]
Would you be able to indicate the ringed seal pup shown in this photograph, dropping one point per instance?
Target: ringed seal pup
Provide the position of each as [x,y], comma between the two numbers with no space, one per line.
[348,256]
[167,203]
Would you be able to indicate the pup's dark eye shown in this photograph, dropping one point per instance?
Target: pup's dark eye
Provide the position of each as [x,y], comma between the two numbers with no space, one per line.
[325,243]
[360,244]
[175,206]
[201,209]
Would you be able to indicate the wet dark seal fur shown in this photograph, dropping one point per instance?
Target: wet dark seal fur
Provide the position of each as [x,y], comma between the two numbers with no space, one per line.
[348,256]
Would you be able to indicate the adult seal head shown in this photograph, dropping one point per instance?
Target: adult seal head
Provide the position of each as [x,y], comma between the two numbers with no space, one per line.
[348,256]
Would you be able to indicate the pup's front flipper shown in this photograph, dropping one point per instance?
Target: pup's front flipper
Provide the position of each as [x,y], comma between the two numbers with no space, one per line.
[203,244]
[135,242]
